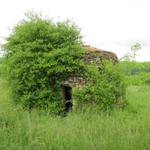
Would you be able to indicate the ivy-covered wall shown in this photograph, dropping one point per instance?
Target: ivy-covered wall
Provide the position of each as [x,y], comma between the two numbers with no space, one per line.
[42,55]
[104,63]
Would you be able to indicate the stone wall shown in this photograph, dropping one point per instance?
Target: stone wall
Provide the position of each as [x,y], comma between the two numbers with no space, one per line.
[92,56]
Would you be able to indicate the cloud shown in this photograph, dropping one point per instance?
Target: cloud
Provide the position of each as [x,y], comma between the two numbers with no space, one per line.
[107,24]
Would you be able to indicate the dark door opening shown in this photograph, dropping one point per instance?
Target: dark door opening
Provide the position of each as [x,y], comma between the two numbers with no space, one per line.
[67,98]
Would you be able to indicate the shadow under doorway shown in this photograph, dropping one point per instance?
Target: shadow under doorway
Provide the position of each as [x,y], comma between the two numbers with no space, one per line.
[67,92]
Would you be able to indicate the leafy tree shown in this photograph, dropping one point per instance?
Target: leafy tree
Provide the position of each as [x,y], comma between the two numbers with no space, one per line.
[134,48]
[126,57]
[41,54]
[131,55]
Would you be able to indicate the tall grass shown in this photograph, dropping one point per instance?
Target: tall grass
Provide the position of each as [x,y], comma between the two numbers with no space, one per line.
[127,129]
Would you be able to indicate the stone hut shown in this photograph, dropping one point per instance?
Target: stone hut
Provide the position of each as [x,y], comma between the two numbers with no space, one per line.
[91,56]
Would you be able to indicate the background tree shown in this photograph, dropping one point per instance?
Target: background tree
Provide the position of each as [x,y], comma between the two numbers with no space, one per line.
[130,56]
[134,49]
[40,55]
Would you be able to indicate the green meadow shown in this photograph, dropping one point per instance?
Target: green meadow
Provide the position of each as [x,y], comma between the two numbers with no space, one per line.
[121,129]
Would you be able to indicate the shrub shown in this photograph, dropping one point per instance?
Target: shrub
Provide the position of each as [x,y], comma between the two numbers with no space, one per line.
[105,88]
[41,54]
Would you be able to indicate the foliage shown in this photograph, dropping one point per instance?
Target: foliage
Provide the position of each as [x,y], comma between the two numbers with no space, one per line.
[134,68]
[105,88]
[126,57]
[138,79]
[41,55]
[122,129]
[134,48]
[136,73]
[131,56]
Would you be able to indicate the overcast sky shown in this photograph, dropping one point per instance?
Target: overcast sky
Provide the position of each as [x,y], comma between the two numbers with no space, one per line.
[112,25]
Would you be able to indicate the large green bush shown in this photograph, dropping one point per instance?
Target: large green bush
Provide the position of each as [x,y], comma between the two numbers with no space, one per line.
[41,54]
[105,88]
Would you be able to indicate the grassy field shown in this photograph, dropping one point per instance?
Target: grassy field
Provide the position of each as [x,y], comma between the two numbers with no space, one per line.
[127,129]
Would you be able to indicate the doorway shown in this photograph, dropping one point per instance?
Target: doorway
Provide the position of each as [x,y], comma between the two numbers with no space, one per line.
[67,92]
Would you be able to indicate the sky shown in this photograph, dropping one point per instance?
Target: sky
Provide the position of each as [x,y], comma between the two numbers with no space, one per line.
[112,25]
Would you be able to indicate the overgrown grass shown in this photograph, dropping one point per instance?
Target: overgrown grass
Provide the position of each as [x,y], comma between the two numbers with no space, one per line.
[138,79]
[127,129]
